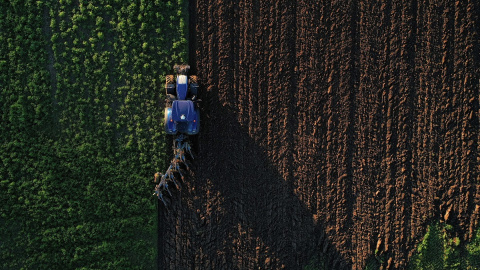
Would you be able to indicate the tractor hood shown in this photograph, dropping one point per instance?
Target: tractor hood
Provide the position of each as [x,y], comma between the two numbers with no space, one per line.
[183,111]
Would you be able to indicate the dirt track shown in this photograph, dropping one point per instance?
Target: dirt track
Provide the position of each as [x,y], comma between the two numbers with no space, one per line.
[336,128]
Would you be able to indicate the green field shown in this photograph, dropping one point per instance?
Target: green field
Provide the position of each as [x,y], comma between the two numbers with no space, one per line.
[81,98]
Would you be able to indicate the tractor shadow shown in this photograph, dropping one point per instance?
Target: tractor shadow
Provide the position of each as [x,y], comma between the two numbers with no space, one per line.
[250,204]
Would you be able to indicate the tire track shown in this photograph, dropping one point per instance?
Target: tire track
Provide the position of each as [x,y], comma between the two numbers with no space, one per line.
[370,114]
[473,9]
[406,93]
[468,85]
[428,115]
[392,43]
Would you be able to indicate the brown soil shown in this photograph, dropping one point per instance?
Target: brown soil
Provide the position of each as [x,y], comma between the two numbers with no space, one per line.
[332,127]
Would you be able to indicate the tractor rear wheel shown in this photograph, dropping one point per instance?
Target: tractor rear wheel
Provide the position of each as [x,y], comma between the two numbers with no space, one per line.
[193,85]
[170,85]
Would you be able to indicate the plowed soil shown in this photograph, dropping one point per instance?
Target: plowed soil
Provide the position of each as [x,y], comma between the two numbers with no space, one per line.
[338,128]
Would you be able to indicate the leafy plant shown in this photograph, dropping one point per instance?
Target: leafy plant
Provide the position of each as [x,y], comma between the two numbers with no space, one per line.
[431,250]
[473,252]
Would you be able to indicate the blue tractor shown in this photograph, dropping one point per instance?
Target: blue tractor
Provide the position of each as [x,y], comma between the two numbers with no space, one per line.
[182,114]
[182,119]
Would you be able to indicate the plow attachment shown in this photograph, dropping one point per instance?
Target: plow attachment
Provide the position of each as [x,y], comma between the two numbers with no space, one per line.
[175,173]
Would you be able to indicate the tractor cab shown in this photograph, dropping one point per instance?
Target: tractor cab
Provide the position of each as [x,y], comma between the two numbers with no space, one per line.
[182,87]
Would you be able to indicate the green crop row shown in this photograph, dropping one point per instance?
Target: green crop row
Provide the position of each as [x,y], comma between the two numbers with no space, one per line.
[81,90]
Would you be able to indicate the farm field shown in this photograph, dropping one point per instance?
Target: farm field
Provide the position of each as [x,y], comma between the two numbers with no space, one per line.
[335,134]
[339,129]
